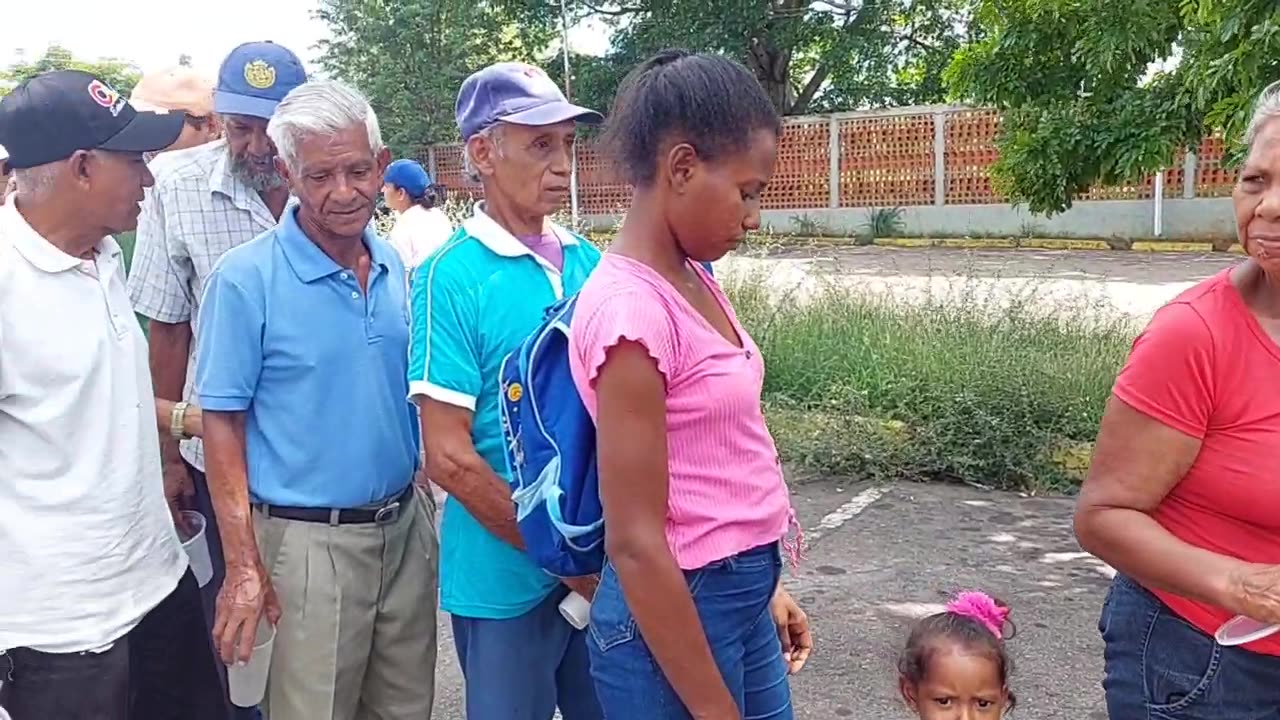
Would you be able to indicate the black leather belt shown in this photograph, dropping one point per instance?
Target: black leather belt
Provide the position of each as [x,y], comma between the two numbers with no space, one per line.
[384,514]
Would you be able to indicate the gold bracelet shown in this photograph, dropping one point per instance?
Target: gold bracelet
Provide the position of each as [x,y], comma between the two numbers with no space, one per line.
[177,420]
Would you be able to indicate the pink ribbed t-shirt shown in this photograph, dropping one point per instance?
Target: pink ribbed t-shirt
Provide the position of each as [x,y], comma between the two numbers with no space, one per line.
[726,493]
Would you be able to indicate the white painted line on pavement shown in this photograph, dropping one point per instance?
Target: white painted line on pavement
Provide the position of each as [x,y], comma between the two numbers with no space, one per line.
[845,513]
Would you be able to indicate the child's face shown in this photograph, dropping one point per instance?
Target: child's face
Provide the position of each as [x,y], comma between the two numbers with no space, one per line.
[959,685]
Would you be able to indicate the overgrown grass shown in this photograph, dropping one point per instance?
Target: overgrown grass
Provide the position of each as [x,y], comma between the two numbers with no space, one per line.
[963,386]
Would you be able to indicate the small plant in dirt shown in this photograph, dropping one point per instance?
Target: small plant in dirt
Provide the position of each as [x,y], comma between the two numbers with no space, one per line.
[882,223]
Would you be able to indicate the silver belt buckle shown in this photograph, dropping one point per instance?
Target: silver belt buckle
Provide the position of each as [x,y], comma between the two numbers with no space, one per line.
[387,514]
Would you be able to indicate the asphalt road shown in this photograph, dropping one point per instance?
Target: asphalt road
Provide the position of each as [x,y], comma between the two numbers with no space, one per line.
[880,556]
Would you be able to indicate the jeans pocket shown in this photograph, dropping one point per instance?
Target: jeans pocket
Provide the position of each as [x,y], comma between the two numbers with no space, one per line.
[1179,664]
[612,623]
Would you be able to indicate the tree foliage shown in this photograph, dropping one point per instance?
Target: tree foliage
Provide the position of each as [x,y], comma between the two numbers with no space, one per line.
[809,56]
[1098,91]
[117,73]
[411,56]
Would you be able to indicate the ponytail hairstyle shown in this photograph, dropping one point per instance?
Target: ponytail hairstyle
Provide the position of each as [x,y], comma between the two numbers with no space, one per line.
[972,620]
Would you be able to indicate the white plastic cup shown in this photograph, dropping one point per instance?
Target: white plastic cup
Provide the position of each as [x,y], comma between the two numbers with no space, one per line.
[1241,630]
[247,682]
[197,546]
[576,610]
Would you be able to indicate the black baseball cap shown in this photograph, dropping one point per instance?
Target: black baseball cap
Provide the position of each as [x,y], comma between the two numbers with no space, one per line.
[52,115]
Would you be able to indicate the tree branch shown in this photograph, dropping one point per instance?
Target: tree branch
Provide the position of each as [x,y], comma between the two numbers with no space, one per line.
[810,89]
[615,12]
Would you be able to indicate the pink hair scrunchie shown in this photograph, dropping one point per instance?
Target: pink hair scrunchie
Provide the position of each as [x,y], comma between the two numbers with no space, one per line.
[981,607]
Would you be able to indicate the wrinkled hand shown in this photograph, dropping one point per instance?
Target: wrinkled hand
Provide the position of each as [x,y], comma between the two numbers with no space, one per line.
[793,630]
[245,597]
[584,586]
[1256,592]
[178,491]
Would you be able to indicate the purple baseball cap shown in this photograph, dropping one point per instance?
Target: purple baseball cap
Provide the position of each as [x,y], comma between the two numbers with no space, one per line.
[516,93]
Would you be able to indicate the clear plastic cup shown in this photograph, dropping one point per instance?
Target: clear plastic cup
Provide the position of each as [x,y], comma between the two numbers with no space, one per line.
[577,610]
[247,682]
[1241,630]
[196,543]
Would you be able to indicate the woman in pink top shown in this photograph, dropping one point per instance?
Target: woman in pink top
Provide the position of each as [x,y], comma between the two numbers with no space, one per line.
[1183,495]
[689,619]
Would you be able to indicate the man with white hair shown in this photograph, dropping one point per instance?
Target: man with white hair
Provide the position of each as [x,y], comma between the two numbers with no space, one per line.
[310,443]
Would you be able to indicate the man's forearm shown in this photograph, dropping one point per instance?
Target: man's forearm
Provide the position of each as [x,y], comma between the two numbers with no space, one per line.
[169,350]
[229,486]
[486,496]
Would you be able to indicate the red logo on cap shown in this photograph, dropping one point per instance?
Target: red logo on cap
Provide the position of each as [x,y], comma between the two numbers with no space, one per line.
[102,94]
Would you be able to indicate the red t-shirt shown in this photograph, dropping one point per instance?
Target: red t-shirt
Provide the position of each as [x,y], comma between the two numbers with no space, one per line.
[1205,367]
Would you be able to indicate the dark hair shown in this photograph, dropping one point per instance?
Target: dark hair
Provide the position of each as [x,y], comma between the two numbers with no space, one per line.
[708,101]
[934,632]
[434,195]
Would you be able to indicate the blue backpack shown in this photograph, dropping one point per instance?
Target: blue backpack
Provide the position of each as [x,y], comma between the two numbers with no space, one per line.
[550,448]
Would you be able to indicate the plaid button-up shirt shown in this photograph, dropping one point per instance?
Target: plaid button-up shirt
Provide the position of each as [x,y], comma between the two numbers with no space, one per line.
[196,211]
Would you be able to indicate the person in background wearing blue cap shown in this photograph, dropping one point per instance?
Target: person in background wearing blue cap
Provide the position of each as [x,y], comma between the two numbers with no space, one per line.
[100,614]
[421,226]
[474,301]
[206,200]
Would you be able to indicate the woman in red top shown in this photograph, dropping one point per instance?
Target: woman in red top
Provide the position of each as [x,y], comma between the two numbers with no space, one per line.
[1183,497]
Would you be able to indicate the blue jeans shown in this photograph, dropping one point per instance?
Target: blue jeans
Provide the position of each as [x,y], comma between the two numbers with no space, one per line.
[524,667]
[732,598]
[1159,667]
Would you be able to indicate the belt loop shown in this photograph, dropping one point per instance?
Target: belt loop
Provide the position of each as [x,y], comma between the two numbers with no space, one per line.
[333,517]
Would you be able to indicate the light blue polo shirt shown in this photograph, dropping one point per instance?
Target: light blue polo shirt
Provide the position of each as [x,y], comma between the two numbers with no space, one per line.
[319,366]
[474,301]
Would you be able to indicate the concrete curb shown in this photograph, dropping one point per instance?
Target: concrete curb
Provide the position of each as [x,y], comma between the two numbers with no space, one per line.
[1150,246]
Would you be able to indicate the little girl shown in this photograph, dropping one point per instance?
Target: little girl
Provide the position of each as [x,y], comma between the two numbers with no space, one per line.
[955,666]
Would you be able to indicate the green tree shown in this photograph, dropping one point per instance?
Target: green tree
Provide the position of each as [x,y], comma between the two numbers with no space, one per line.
[410,56]
[119,74]
[809,56]
[1099,91]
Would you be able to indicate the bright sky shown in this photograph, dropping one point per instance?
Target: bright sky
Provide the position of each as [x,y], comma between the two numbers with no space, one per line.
[150,34]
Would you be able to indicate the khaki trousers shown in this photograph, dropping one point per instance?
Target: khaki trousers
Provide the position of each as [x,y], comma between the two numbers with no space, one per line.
[357,634]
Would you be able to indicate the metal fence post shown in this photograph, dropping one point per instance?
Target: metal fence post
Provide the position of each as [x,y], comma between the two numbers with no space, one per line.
[939,159]
[1190,165]
[833,172]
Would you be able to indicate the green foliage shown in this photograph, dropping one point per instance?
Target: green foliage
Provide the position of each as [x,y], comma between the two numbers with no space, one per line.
[884,222]
[810,57]
[117,73]
[1097,91]
[411,56]
[957,386]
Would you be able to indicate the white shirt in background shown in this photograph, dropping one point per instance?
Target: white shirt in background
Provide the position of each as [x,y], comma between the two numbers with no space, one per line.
[418,232]
[87,544]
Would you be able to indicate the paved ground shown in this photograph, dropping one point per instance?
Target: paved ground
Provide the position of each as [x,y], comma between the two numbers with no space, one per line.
[1130,283]
[881,556]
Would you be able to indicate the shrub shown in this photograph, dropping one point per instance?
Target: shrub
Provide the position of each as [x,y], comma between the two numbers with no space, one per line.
[965,385]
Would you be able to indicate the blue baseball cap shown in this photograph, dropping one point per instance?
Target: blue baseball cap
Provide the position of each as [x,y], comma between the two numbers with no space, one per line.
[516,93]
[408,176]
[255,77]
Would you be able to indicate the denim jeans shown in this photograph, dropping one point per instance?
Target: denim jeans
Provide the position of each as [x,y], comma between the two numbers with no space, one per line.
[525,667]
[1159,667]
[732,598]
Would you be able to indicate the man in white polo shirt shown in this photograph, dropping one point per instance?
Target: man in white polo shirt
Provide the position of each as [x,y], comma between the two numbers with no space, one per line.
[100,617]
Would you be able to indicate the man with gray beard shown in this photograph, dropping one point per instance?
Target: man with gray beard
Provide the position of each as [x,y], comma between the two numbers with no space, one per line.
[205,201]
